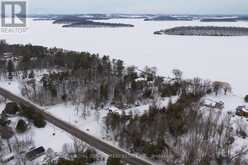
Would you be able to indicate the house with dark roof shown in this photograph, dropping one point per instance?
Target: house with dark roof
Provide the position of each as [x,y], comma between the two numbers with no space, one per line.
[35,153]
[6,158]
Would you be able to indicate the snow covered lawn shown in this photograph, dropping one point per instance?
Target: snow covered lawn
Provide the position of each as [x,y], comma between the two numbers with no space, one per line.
[12,86]
[91,123]
[91,120]
[231,102]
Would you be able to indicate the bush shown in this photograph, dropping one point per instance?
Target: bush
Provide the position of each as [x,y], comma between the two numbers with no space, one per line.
[114,161]
[168,90]
[246,98]
[11,108]
[70,162]
[87,157]
[90,156]
[21,126]
[6,133]
[152,150]
[241,133]
[147,94]
[27,112]
[34,116]
[39,121]
[175,118]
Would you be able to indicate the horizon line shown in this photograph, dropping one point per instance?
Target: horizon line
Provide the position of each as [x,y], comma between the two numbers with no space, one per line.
[107,13]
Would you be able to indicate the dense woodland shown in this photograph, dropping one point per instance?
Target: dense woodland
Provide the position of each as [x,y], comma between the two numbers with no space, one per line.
[205,31]
[181,133]
[83,77]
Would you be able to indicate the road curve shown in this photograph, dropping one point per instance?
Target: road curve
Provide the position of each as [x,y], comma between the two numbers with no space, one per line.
[89,139]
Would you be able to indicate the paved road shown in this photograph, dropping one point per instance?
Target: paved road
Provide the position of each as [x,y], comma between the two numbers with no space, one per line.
[91,140]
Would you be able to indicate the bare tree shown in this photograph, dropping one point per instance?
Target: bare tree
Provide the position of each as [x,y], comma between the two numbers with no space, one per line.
[177,74]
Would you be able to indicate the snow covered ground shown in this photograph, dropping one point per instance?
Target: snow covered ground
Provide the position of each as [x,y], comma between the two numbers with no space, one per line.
[41,136]
[12,86]
[51,136]
[16,85]
[90,121]
[231,102]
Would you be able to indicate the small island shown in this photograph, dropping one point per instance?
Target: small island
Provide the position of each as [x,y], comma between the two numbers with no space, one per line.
[169,18]
[205,31]
[225,19]
[81,22]
[219,19]
[92,24]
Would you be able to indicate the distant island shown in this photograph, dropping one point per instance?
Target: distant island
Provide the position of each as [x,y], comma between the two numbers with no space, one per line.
[169,18]
[205,31]
[225,19]
[76,19]
[219,19]
[82,22]
[93,24]
[89,16]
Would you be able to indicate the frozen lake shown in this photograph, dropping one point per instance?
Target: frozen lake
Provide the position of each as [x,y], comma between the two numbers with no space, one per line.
[215,58]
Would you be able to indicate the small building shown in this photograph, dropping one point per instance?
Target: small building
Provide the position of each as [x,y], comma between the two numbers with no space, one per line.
[109,110]
[8,55]
[213,104]
[140,79]
[35,153]
[219,105]
[242,111]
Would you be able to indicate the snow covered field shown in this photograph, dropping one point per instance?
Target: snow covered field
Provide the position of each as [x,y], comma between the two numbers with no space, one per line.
[14,86]
[92,121]
[215,58]
[231,102]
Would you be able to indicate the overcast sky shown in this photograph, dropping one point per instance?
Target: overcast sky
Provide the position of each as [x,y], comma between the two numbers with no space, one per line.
[139,6]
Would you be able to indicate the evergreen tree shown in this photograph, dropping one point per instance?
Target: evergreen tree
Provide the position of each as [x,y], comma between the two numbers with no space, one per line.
[39,121]
[31,75]
[104,92]
[21,126]
[246,98]
[10,68]
[119,68]
[114,161]
[24,74]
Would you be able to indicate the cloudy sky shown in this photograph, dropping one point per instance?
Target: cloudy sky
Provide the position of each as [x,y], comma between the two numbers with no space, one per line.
[139,6]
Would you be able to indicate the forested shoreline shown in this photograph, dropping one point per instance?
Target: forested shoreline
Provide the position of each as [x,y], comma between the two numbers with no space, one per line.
[101,80]
[205,31]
